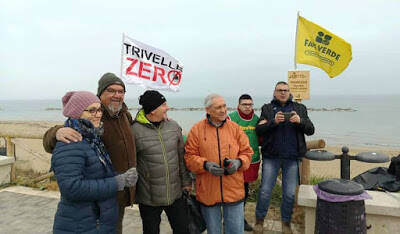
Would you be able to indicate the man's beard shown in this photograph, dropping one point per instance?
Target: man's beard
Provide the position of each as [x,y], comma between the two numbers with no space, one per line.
[114,110]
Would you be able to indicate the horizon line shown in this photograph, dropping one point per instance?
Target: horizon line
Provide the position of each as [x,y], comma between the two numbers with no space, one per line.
[226,96]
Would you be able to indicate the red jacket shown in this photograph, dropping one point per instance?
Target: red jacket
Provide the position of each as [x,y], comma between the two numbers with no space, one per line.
[205,142]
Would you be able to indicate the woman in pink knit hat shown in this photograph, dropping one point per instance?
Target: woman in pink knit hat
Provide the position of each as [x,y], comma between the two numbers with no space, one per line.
[84,173]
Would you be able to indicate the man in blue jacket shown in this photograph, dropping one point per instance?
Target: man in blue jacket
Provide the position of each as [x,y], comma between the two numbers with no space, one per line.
[282,125]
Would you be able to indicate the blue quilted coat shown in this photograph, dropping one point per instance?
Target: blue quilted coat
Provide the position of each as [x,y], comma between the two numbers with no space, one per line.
[88,188]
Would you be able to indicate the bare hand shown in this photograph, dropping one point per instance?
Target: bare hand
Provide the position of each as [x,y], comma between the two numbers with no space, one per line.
[295,118]
[279,117]
[67,135]
[264,121]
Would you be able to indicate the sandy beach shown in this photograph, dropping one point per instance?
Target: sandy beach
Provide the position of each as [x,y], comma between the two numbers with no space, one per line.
[31,155]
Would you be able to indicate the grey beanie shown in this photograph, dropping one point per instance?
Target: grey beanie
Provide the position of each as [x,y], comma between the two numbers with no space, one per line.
[107,80]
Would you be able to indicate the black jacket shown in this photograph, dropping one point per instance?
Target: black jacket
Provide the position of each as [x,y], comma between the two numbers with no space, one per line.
[268,130]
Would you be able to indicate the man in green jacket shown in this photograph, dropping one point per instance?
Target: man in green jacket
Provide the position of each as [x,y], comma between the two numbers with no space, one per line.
[160,165]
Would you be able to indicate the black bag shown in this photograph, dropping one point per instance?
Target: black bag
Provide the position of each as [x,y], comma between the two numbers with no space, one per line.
[394,167]
[197,225]
[378,179]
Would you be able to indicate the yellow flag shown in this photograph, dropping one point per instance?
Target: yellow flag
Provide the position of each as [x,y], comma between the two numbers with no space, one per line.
[318,47]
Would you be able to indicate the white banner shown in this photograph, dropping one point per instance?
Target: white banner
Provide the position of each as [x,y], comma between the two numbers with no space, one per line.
[149,67]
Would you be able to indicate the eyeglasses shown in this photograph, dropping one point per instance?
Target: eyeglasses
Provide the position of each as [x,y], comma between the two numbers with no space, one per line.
[94,111]
[113,91]
[282,90]
[247,104]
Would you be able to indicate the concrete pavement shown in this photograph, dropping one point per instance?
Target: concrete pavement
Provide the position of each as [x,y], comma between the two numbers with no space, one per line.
[25,210]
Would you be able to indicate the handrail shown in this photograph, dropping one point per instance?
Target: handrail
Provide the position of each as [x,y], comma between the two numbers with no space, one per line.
[9,134]
[315,144]
[29,150]
[20,134]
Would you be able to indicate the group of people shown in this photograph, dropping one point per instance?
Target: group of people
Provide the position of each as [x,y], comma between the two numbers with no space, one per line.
[105,160]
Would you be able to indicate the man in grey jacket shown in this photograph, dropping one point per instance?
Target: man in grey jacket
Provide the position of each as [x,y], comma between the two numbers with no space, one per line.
[160,165]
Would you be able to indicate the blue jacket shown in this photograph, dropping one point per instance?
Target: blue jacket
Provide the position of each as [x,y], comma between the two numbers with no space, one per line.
[88,190]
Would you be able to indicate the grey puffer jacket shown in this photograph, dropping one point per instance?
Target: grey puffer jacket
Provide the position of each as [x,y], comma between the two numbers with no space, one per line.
[160,162]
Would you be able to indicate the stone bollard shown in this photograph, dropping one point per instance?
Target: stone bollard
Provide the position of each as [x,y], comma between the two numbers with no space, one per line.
[5,169]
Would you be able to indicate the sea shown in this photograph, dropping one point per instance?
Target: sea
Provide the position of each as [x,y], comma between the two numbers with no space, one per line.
[371,121]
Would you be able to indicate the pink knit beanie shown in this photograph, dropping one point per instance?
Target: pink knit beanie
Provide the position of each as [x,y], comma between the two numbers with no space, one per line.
[75,102]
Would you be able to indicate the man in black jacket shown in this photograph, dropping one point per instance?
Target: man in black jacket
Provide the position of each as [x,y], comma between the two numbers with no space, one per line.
[282,125]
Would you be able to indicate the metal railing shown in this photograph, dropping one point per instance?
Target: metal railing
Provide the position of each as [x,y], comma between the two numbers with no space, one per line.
[12,139]
[368,157]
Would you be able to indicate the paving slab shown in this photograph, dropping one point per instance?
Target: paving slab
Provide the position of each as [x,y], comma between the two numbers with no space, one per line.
[25,210]
[28,211]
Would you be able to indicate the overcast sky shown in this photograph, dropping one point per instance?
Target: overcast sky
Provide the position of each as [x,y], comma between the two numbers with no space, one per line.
[229,47]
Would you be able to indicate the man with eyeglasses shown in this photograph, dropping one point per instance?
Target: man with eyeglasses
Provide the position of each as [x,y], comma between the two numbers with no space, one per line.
[118,138]
[282,125]
[245,117]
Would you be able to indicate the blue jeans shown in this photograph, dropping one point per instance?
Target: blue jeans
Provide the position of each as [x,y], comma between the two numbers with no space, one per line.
[233,218]
[290,177]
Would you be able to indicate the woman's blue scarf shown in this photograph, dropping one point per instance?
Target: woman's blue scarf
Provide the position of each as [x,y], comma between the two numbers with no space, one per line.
[93,136]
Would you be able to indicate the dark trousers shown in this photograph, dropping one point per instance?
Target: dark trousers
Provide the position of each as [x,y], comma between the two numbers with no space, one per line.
[246,191]
[176,213]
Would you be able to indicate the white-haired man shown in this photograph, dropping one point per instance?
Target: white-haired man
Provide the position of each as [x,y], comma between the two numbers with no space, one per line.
[218,151]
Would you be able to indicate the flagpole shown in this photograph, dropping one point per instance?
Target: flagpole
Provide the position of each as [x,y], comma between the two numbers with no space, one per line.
[122,53]
[295,41]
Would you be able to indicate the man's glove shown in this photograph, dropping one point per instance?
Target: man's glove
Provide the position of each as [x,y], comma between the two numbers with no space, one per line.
[232,165]
[132,177]
[127,179]
[214,168]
